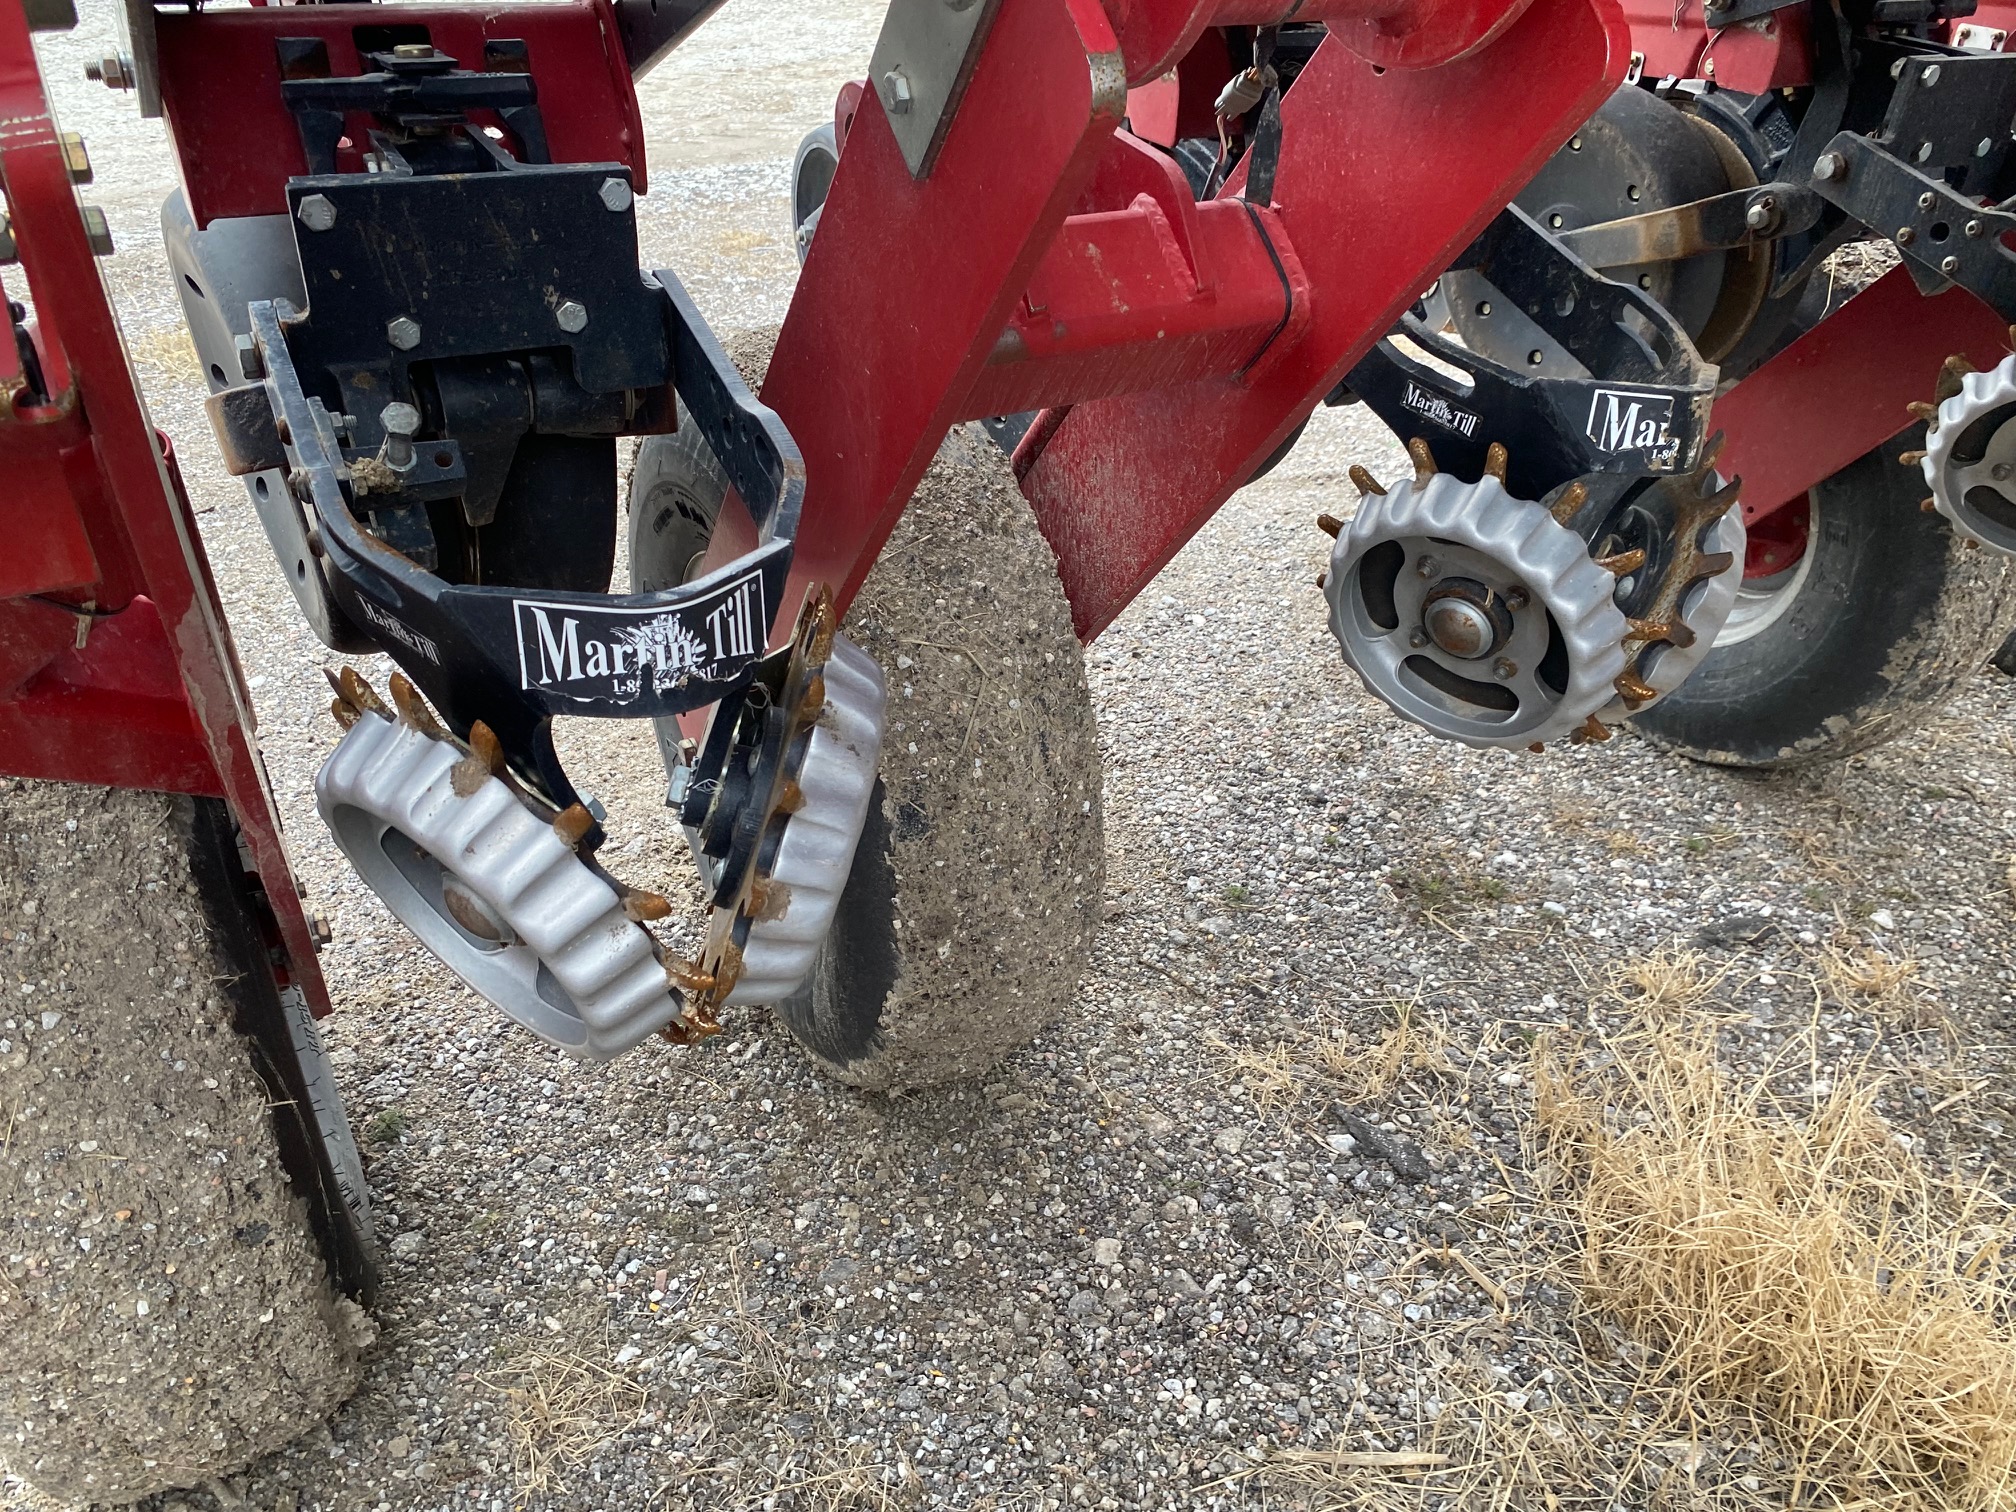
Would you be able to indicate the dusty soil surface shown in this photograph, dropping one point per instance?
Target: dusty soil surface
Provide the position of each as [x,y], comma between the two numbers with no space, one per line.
[165,1307]
[1184,1233]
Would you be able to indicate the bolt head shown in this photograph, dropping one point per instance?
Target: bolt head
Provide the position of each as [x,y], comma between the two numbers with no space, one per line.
[895,92]
[571,316]
[615,195]
[2001,471]
[317,212]
[403,331]
[1985,146]
[1427,567]
[1927,200]
[1517,598]
[1830,166]
[1504,669]
[1949,265]
[1974,228]
[1905,236]
[1417,638]
[1930,76]
[399,419]
[1758,217]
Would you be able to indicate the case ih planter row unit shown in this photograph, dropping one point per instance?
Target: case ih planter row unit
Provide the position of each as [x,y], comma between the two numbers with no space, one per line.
[1669,443]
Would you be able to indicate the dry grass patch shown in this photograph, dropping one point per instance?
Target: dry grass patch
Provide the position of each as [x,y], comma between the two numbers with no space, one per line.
[1856,974]
[1667,980]
[561,1409]
[1793,1264]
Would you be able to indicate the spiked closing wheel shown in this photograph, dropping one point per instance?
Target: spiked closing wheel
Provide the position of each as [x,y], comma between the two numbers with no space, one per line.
[489,879]
[1970,450]
[1473,613]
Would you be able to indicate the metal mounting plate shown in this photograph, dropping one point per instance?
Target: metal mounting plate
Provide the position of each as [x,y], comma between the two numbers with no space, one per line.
[920,67]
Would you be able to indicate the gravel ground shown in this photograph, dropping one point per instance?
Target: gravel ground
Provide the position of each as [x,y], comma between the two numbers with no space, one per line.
[1186,1229]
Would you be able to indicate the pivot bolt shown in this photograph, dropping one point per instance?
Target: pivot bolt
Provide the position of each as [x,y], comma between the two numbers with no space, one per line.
[403,331]
[1504,669]
[1830,166]
[1762,214]
[571,316]
[896,92]
[615,194]
[317,212]
[400,422]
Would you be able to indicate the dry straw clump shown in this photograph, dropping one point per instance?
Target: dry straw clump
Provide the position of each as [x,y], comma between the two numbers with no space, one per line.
[562,1408]
[1795,1264]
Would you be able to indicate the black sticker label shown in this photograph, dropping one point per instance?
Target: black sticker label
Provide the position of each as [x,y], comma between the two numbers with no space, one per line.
[613,655]
[1436,409]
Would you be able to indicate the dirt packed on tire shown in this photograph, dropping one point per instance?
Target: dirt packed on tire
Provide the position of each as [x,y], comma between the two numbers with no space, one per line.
[167,1313]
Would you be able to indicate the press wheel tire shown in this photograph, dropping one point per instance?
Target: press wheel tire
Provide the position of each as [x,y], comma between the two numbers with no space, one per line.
[967,918]
[167,1308]
[1886,616]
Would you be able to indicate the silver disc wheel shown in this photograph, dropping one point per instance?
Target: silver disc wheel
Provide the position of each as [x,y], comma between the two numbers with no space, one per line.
[969,910]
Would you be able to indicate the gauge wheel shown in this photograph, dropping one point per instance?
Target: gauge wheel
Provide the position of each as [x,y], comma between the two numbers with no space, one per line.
[1858,616]
[967,918]
[175,1269]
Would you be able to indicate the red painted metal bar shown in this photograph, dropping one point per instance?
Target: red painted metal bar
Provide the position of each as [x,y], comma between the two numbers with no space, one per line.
[910,282]
[1161,292]
[1122,483]
[237,141]
[106,711]
[1840,389]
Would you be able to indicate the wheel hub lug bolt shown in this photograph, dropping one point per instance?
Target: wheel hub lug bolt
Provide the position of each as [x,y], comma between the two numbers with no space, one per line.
[1505,668]
[1426,567]
[1417,638]
[1517,598]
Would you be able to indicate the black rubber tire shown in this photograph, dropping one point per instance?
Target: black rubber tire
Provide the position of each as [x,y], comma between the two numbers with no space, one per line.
[1893,611]
[975,890]
[168,1310]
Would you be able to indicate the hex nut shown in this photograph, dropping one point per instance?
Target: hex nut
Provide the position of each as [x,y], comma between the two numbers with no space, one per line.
[403,331]
[615,194]
[896,92]
[571,316]
[317,212]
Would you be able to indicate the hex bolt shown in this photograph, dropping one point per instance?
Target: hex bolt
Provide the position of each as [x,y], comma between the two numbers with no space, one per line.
[1762,214]
[1830,166]
[615,194]
[1974,228]
[896,92]
[114,71]
[251,365]
[317,212]
[400,422]
[1930,76]
[571,316]
[1417,638]
[403,331]
[1949,266]
[1504,669]
[1517,598]
[1905,236]
[1426,567]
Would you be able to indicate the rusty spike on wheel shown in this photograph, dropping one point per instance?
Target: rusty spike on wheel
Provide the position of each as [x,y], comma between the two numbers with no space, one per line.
[1623,561]
[343,713]
[484,761]
[1928,504]
[413,710]
[813,704]
[1951,372]
[826,625]
[1920,410]
[1364,482]
[1424,461]
[791,797]
[1330,525]
[641,907]
[1322,580]
[1648,630]
[768,901]
[1496,459]
[572,824]
[356,692]
[689,976]
[1634,690]
[1570,503]
[1710,453]
[1911,458]
[1591,732]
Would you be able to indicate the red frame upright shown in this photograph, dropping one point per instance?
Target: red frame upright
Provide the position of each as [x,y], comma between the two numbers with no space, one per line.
[116,666]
